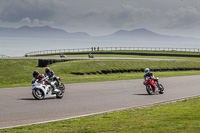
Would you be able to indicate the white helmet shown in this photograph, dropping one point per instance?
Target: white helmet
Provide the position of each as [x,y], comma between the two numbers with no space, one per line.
[146,70]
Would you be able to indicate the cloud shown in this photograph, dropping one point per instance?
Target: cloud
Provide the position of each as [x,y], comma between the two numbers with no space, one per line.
[15,10]
[183,18]
[132,17]
[28,21]
[102,16]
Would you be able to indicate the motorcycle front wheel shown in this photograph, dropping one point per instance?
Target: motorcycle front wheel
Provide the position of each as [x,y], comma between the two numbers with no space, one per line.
[161,88]
[38,94]
[59,95]
[62,87]
[149,89]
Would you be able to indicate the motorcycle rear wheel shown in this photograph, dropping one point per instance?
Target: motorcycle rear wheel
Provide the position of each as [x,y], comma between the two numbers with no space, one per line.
[38,94]
[149,89]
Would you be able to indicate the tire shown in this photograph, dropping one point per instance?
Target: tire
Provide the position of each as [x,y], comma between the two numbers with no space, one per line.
[38,94]
[59,95]
[149,89]
[62,87]
[161,88]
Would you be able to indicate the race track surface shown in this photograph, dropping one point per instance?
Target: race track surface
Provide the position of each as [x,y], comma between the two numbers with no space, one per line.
[18,107]
[98,58]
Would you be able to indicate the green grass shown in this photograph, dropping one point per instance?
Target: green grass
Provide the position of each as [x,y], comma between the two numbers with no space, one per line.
[139,56]
[97,65]
[18,72]
[124,76]
[179,117]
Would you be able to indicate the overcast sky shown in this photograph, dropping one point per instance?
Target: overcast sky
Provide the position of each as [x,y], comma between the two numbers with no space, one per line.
[101,17]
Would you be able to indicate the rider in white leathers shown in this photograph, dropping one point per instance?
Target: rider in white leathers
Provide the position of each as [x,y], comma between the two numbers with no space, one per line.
[51,75]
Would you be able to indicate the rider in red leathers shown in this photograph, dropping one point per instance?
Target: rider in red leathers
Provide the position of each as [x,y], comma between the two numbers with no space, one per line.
[146,78]
[37,76]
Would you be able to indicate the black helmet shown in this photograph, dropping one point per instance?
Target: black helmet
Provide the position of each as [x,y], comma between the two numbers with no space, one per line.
[35,74]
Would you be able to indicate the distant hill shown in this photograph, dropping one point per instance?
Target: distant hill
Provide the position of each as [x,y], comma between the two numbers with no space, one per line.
[40,32]
[145,35]
[49,32]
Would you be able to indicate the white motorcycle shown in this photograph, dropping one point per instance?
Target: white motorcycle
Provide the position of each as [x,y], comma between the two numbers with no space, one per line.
[40,90]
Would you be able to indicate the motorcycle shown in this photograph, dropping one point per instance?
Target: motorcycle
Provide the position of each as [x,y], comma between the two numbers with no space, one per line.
[153,82]
[40,90]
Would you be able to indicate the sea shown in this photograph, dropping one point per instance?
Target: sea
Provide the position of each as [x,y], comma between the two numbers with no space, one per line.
[18,47]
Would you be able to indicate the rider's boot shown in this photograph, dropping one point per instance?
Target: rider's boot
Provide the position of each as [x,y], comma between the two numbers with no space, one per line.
[58,84]
[53,89]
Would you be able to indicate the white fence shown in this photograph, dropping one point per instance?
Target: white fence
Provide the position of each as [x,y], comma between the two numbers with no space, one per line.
[112,49]
[3,56]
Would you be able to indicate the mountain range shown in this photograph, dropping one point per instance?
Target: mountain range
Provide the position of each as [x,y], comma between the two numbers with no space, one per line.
[40,32]
[133,35]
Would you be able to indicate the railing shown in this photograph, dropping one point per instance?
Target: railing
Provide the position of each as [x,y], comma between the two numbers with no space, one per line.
[112,49]
[3,56]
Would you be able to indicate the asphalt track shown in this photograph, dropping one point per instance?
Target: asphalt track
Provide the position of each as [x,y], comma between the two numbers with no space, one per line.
[98,58]
[18,107]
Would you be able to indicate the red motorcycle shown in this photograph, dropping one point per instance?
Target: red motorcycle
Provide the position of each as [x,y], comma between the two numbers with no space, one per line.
[151,84]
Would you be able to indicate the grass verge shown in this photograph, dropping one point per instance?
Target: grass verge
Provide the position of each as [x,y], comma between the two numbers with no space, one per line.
[18,72]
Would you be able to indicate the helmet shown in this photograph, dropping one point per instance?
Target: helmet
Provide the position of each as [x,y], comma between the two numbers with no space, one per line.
[35,73]
[47,70]
[146,70]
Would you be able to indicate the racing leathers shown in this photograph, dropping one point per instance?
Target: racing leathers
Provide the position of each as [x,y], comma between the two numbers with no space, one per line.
[146,76]
[51,75]
[39,78]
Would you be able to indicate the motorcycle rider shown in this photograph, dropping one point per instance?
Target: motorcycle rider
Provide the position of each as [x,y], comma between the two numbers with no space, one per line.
[148,74]
[40,78]
[37,76]
[51,75]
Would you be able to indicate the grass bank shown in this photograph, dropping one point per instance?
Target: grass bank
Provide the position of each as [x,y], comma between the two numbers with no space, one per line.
[18,72]
[179,117]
